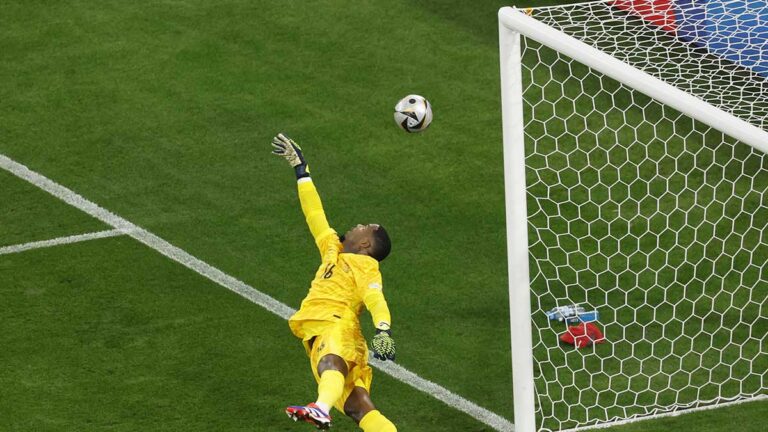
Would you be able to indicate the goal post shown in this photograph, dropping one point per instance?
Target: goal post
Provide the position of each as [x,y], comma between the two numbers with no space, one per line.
[651,211]
[517,228]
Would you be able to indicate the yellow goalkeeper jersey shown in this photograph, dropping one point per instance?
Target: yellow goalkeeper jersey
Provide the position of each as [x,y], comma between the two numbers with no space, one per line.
[344,282]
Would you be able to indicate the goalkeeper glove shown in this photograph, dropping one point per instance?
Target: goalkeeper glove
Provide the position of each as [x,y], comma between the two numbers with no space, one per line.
[383,345]
[287,148]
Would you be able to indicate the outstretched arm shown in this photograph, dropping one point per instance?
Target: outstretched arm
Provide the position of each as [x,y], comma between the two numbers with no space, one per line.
[313,209]
[308,196]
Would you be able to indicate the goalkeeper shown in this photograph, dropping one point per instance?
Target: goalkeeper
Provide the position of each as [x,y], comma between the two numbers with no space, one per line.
[327,322]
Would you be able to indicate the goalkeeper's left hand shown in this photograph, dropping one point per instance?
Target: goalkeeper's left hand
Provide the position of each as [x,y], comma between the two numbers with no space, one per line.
[383,345]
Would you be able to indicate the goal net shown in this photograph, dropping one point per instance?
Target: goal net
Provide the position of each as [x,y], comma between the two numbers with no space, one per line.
[637,169]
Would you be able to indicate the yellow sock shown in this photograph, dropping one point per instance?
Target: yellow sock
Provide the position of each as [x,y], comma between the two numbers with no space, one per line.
[375,422]
[329,389]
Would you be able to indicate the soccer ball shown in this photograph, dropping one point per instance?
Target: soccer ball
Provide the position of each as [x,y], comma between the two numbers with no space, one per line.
[413,113]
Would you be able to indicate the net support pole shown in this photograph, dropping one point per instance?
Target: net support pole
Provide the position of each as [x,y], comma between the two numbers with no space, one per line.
[517,229]
[635,78]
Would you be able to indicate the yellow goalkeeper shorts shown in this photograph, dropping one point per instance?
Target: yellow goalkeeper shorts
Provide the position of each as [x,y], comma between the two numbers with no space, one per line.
[344,339]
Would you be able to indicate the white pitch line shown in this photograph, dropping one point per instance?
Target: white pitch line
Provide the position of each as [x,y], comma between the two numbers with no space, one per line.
[280,309]
[60,241]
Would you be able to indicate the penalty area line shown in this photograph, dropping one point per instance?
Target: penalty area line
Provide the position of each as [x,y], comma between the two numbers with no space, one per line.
[5,250]
[278,308]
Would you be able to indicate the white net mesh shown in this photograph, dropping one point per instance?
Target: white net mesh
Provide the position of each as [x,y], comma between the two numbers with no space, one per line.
[658,222]
[687,66]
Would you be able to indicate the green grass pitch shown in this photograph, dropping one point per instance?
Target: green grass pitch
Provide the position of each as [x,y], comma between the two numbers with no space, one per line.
[162,112]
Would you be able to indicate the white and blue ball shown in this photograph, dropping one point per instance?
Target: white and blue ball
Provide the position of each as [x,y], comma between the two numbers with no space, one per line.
[413,113]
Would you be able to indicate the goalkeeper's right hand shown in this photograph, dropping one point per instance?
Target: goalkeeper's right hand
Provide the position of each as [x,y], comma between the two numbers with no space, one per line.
[287,148]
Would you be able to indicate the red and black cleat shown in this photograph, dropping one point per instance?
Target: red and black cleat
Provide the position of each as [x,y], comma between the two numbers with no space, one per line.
[310,414]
